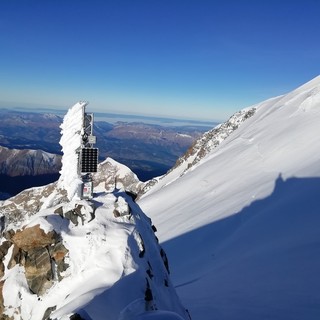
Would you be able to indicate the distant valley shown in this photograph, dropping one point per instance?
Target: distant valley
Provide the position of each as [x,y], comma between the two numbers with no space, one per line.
[149,149]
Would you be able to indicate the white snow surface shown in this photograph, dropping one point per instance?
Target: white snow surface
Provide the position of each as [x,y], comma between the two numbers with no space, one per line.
[105,274]
[242,227]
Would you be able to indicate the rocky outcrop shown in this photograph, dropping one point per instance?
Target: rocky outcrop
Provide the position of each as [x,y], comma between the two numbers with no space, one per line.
[76,212]
[3,251]
[33,237]
[112,175]
[38,270]
[41,254]
[30,201]
[2,316]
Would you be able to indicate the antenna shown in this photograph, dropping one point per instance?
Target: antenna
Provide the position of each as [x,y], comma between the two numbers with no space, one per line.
[88,160]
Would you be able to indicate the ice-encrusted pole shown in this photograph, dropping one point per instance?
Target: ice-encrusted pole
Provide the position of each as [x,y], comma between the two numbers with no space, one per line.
[71,135]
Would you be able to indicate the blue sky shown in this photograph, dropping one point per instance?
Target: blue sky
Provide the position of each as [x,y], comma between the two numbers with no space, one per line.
[191,59]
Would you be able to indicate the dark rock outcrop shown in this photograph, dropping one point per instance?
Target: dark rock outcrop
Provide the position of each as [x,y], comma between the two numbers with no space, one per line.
[38,270]
[34,237]
[41,254]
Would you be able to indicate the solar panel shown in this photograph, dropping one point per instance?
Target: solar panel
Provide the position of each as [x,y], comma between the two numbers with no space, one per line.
[89,160]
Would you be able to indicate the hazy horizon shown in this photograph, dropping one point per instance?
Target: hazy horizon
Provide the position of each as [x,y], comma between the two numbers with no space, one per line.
[113,117]
[195,59]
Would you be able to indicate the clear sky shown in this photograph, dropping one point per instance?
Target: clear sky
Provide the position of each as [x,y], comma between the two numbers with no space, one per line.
[195,59]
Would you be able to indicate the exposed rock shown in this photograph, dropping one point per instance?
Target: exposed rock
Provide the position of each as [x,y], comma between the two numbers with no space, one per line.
[59,211]
[3,316]
[72,216]
[40,253]
[38,270]
[113,175]
[211,139]
[46,315]
[76,316]
[17,257]
[4,247]
[76,212]
[58,253]
[8,234]
[1,299]
[2,268]
[121,208]
[30,201]
[34,237]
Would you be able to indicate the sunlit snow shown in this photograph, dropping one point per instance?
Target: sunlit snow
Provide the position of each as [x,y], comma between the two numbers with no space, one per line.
[241,228]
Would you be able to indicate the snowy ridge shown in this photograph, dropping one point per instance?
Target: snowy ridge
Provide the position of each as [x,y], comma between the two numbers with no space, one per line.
[111,175]
[110,259]
[65,258]
[200,149]
[241,227]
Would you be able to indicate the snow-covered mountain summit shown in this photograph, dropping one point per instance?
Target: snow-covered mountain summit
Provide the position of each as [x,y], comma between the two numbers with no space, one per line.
[241,226]
[62,257]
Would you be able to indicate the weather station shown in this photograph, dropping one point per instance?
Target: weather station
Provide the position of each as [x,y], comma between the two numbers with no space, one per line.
[88,155]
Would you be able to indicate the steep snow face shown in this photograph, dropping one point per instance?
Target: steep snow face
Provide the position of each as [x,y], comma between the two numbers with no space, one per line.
[241,227]
[71,141]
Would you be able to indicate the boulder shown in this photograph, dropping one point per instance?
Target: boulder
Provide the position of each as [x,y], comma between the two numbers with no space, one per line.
[2,268]
[17,257]
[58,253]
[77,212]
[4,247]
[38,270]
[41,254]
[34,237]
[48,312]
[2,316]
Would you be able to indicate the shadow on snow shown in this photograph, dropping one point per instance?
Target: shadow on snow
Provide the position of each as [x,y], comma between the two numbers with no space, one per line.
[260,263]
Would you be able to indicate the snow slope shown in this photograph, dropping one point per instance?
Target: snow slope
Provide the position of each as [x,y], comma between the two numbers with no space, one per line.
[242,227]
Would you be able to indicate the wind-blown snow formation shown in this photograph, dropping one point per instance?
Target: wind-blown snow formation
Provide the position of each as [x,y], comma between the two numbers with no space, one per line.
[71,130]
[241,227]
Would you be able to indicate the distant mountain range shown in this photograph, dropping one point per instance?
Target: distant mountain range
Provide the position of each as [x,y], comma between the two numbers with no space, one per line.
[21,169]
[149,149]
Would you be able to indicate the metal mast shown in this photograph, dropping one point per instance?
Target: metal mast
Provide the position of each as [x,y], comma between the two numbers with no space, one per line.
[88,160]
